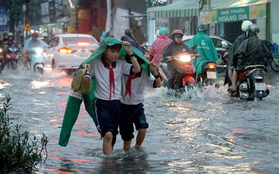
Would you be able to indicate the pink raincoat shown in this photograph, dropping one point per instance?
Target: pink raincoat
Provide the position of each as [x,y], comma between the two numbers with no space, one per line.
[158,46]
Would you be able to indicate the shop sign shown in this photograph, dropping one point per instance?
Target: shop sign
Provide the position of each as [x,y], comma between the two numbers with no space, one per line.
[233,15]
[3,18]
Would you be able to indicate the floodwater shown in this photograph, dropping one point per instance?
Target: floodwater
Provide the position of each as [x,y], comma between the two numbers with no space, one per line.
[212,133]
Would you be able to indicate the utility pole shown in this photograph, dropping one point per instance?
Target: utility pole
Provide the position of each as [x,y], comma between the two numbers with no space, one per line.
[25,19]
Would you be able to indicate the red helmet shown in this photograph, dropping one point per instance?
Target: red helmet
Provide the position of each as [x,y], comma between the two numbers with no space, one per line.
[179,32]
[34,34]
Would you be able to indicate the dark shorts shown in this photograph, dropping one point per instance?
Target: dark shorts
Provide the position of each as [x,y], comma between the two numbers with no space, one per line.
[108,115]
[131,114]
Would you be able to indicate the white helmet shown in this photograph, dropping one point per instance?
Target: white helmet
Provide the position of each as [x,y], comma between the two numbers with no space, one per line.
[157,33]
[45,34]
[245,25]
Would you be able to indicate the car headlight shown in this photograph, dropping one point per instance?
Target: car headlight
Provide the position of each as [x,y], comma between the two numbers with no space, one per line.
[1,50]
[39,51]
[185,58]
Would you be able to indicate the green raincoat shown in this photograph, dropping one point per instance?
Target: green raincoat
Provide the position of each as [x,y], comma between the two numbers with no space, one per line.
[205,48]
[75,99]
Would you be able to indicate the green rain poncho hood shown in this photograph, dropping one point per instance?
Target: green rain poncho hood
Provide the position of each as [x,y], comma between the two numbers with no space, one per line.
[205,48]
[74,100]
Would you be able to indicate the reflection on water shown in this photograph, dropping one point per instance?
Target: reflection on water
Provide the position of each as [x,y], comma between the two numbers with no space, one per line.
[204,131]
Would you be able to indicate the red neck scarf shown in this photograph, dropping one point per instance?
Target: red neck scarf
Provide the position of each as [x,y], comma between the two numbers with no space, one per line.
[111,80]
[128,86]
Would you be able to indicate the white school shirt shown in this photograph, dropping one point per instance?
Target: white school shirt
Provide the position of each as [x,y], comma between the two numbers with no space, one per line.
[137,88]
[101,74]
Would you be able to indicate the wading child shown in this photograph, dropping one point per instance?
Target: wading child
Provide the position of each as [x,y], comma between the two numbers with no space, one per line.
[106,70]
[132,111]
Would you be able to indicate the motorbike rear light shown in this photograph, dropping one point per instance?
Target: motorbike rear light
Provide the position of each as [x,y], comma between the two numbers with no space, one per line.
[83,43]
[65,51]
[211,66]
[93,51]
[259,81]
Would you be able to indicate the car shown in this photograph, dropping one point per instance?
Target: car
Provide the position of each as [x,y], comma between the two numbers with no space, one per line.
[221,46]
[67,51]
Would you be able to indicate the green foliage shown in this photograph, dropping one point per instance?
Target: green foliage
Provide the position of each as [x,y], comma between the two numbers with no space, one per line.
[14,8]
[19,153]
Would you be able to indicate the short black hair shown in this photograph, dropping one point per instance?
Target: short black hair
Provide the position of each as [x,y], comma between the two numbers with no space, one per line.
[115,47]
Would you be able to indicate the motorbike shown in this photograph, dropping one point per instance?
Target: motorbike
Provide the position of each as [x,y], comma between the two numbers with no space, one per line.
[145,46]
[186,72]
[208,75]
[222,62]
[251,83]
[2,60]
[274,63]
[36,59]
[12,57]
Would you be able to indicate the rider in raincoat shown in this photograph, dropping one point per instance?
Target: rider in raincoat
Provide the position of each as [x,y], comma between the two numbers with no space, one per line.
[205,48]
[75,99]
[31,43]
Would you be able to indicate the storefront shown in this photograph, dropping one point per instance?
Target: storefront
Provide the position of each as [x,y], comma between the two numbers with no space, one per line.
[178,15]
[228,16]
[224,18]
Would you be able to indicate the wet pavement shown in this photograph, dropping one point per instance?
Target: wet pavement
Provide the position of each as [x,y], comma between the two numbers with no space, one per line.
[212,133]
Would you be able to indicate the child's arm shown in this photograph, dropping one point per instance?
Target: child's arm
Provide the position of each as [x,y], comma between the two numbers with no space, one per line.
[154,70]
[136,66]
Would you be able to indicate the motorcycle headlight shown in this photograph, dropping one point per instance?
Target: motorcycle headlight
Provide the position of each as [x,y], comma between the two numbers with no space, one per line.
[39,51]
[185,58]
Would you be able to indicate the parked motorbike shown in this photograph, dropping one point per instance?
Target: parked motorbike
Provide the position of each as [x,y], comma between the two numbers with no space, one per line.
[208,75]
[12,57]
[36,59]
[186,71]
[2,60]
[251,85]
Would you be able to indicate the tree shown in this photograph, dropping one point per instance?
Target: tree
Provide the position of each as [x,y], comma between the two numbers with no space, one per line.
[14,11]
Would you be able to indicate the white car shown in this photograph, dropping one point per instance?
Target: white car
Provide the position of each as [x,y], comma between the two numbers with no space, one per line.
[67,51]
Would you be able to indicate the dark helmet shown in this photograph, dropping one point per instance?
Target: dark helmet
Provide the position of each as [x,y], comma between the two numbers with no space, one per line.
[5,33]
[176,33]
[202,27]
[253,28]
[128,31]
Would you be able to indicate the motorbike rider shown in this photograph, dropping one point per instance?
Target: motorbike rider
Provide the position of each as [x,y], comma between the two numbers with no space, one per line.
[158,46]
[10,42]
[31,43]
[45,38]
[129,37]
[204,46]
[174,48]
[251,51]
[234,48]
[5,37]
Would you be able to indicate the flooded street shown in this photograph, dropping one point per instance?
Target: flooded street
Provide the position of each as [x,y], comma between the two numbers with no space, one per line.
[212,133]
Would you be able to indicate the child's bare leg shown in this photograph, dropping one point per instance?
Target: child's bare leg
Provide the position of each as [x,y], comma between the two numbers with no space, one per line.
[140,137]
[107,140]
[127,145]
